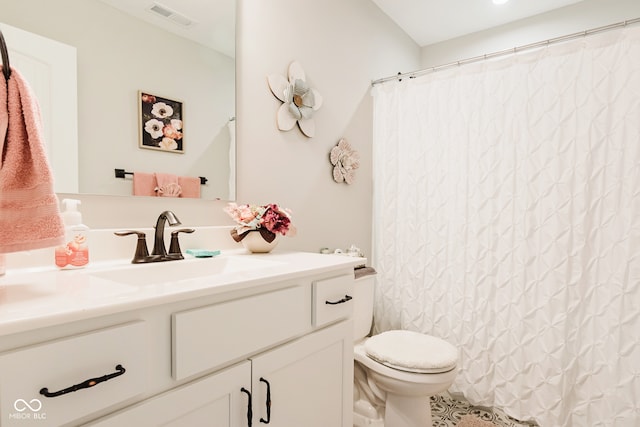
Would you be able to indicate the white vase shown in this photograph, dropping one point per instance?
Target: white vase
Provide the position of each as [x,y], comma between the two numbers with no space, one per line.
[255,243]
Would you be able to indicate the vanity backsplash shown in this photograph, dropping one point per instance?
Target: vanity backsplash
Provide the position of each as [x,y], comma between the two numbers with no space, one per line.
[106,246]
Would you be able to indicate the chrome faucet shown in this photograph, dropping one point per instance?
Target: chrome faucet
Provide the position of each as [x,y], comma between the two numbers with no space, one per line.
[158,243]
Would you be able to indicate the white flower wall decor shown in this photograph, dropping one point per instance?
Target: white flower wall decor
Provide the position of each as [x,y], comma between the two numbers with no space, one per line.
[345,161]
[300,101]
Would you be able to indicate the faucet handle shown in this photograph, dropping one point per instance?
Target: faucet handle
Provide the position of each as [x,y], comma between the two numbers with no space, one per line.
[142,253]
[174,247]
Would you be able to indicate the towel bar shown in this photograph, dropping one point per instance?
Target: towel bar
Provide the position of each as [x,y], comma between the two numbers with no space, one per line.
[120,173]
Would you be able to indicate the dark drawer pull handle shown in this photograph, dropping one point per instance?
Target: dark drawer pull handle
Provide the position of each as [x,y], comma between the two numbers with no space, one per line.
[85,384]
[249,410]
[342,301]
[268,420]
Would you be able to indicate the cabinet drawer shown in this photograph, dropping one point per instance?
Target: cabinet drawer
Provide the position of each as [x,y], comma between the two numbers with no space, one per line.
[332,299]
[113,358]
[210,336]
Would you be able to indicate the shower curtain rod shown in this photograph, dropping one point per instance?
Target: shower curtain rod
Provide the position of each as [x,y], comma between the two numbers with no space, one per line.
[414,74]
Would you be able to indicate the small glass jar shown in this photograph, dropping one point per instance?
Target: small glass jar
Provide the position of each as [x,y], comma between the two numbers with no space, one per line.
[354,251]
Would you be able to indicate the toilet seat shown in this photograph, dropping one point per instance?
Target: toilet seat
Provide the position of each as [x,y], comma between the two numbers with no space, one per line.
[412,352]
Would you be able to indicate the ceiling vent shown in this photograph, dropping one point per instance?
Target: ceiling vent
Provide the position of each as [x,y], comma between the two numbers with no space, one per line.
[170,14]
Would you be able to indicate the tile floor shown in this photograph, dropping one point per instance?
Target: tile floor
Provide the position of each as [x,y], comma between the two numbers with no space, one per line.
[447,411]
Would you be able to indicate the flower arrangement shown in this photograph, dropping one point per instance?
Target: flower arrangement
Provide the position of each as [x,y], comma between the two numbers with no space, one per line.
[269,220]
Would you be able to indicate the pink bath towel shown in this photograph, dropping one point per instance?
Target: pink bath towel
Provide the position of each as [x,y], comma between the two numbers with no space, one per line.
[167,185]
[29,212]
[144,184]
[190,186]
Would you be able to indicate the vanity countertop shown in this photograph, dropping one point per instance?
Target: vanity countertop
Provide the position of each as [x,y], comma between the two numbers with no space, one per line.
[31,298]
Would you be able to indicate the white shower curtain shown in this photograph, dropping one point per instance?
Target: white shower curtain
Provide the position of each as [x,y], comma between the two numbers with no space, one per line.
[507,221]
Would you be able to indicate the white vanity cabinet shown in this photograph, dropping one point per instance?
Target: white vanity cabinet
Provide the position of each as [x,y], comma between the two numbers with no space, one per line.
[274,351]
[216,400]
[307,382]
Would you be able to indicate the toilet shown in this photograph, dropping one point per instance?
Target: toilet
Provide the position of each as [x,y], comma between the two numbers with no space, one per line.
[395,372]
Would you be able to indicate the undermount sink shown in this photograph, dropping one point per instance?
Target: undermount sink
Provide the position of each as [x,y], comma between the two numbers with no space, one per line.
[188,269]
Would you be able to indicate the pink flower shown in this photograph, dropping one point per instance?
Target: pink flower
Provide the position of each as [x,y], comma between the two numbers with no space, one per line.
[148,98]
[246,214]
[170,132]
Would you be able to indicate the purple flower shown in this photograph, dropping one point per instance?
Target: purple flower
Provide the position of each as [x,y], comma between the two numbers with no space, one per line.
[276,220]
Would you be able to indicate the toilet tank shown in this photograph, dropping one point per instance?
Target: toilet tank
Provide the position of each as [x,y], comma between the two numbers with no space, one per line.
[363,292]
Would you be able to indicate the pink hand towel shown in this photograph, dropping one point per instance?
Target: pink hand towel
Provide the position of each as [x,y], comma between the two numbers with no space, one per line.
[190,186]
[144,184]
[29,211]
[167,185]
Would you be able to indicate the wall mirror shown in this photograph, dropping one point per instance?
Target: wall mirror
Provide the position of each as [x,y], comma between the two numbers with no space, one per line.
[179,50]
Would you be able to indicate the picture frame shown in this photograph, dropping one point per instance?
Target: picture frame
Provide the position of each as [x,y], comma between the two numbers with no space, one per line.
[161,123]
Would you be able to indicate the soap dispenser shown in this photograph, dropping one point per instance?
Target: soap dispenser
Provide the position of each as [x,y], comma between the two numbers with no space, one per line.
[75,252]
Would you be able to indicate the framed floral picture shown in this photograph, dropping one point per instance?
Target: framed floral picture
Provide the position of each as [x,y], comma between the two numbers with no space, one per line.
[161,123]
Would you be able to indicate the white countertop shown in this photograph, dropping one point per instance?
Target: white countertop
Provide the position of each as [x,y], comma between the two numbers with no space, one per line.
[32,298]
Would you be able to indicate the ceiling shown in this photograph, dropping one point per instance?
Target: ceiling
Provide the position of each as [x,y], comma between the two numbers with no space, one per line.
[211,22]
[425,21]
[433,21]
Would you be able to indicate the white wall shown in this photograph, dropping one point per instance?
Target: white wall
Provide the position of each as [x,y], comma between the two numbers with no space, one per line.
[342,45]
[577,17]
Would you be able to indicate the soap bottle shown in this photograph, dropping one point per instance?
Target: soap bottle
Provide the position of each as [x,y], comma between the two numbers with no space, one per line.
[75,252]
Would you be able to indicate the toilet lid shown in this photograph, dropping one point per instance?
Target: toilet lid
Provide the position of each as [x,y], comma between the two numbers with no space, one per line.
[412,351]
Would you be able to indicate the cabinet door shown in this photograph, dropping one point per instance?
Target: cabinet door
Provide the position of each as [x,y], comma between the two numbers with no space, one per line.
[216,400]
[309,381]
